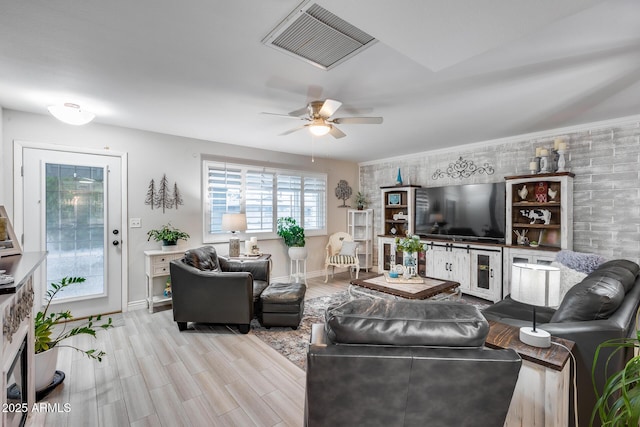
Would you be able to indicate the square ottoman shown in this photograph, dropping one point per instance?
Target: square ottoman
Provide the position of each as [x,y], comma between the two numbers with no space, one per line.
[282,304]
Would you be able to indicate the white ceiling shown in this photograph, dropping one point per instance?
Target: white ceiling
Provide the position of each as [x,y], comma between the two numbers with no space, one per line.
[443,73]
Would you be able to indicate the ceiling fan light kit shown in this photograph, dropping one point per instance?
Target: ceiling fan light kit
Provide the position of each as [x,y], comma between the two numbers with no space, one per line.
[71,114]
[319,113]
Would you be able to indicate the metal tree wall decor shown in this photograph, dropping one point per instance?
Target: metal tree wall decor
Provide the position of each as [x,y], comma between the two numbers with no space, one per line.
[163,197]
[463,169]
[343,192]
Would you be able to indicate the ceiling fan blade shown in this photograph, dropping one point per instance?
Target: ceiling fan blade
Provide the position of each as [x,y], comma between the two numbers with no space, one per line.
[286,116]
[357,120]
[299,112]
[329,107]
[287,132]
[336,133]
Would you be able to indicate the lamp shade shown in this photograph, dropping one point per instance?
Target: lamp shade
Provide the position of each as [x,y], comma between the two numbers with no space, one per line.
[535,284]
[234,222]
[71,114]
[319,130]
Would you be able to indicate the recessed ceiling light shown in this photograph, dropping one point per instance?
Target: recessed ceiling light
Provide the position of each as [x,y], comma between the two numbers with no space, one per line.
[71,114]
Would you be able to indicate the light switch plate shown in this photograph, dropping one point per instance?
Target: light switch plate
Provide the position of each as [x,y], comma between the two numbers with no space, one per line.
[135,223]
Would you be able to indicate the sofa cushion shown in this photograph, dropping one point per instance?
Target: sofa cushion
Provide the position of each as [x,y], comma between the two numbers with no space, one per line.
[258,287]
[204,258]
[596,297]
[406,323]
[621,269]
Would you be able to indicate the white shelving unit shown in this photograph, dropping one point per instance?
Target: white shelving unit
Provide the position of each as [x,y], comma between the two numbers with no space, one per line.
[360,226]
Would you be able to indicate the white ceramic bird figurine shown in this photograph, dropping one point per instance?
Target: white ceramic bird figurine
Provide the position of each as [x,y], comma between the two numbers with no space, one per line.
[552,193]
[523,192]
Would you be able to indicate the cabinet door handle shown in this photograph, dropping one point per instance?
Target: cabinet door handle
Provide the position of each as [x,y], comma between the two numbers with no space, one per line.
[491,273]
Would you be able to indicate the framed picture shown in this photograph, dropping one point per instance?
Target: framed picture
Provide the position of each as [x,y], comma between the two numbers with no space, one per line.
[394,199]
[8,242]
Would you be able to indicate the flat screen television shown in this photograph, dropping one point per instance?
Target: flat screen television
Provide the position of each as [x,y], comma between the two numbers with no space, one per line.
[462,212]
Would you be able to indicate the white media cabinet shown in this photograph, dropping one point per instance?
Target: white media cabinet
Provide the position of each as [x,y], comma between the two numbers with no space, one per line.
[476,266]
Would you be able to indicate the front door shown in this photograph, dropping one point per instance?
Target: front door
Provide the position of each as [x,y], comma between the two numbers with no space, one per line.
[73,209]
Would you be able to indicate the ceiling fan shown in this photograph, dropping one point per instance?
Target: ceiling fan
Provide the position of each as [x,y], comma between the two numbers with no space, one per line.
[318,114]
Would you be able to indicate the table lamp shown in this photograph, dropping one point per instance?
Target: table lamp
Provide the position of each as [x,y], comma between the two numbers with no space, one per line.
[234,222]
[539,286]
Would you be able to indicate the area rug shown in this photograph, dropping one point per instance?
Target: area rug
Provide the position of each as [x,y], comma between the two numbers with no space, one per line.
[293,343]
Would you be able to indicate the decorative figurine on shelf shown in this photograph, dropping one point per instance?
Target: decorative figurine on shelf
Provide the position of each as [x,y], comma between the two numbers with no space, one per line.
[523,192]
[399,178]
[167,288]
[534,215]
[552,193]
[522,237]
[541,192]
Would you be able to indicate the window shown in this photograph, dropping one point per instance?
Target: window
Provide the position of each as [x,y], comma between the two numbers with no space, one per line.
[265,195]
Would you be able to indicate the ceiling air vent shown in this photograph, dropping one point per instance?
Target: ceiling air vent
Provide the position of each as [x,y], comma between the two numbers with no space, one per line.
[317,36]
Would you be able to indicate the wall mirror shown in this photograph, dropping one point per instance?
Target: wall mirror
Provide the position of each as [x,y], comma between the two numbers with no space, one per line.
[9,244]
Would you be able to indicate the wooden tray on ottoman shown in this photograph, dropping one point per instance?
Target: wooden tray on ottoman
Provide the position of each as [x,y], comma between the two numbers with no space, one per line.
[427,289]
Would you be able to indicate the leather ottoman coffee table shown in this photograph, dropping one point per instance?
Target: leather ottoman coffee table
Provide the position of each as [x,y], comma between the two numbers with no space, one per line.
[282,305]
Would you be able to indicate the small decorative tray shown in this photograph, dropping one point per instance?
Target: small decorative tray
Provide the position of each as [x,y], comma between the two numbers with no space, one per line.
[401,279]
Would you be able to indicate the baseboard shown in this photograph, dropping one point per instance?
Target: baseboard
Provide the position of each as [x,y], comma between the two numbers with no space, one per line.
[137,305]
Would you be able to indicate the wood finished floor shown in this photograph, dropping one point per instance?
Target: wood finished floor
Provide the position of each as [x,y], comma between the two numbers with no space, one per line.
[155,375]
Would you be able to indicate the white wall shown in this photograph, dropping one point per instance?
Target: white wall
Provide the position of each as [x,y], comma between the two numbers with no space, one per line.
[150,155]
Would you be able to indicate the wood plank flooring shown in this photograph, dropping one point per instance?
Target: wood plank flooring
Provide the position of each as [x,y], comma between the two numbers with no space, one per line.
[155,375]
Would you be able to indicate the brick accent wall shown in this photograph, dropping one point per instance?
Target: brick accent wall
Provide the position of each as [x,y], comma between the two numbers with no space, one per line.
[605,160]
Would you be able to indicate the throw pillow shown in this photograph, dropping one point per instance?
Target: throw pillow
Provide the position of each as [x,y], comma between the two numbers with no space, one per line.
[568,278]
[579,261]
[348,249]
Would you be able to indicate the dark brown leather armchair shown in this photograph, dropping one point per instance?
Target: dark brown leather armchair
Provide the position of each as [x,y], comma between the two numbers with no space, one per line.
[406,363]
[211,289]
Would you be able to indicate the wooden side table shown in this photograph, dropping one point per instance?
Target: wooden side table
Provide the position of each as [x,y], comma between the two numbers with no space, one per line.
[541,396]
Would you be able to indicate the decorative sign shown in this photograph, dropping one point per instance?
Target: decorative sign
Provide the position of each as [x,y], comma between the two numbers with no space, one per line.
[463,169]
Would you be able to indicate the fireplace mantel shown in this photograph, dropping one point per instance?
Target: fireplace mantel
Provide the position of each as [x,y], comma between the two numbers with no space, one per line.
[16,323]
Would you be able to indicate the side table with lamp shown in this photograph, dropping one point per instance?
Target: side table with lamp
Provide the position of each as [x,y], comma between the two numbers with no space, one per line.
[542,394]
[234,222]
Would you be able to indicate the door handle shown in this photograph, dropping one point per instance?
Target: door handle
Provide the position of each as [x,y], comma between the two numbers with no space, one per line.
[116,242]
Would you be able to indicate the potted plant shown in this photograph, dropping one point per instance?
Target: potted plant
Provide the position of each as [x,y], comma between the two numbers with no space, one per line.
[361,201]
[410,246]
[293,236]
[51,330]
[619,402]
[168,235]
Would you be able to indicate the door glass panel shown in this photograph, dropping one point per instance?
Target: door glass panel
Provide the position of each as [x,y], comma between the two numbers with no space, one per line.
[75,228]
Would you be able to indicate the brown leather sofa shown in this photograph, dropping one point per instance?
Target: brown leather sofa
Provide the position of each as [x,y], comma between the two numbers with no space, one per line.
[208,288]
[601,307]
[406,363]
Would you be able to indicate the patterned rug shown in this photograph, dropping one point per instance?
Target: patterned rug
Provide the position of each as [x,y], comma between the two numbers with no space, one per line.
[293,343]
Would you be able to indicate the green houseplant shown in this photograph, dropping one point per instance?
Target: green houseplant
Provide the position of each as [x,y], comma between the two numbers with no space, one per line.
[293,236]
[361,200]
[291,232]
[51,329]
[168,235]
[619,402]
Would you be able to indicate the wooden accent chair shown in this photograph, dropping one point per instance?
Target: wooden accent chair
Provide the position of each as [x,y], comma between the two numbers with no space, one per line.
[342,252]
